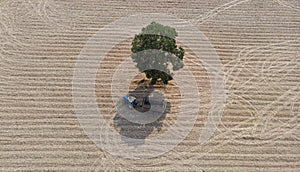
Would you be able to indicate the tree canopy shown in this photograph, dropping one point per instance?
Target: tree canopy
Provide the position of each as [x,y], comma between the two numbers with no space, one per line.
[156,53]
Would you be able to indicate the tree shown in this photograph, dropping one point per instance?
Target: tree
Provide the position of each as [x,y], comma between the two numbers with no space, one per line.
[155,50]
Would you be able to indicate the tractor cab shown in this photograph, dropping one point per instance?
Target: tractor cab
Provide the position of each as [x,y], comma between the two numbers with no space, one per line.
[131,101]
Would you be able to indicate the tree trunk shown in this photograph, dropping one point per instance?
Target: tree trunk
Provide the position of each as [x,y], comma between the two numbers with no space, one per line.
[153,81]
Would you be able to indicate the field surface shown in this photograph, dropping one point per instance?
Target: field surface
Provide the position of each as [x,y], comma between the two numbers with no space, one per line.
[258,45]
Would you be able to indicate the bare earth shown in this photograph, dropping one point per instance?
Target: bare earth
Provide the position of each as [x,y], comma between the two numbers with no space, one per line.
[258,43]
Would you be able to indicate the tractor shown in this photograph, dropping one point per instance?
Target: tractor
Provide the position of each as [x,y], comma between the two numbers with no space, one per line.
[132,102]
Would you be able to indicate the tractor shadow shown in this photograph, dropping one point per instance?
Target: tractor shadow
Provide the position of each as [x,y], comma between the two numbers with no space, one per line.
[128,129]
[140,93]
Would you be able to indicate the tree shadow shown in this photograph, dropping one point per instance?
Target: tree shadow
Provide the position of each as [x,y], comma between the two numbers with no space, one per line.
[128,129]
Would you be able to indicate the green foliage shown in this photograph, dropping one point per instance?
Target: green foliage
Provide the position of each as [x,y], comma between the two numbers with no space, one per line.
[162,39]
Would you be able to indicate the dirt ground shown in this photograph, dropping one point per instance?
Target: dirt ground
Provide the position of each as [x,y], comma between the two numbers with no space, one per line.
[258,43]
